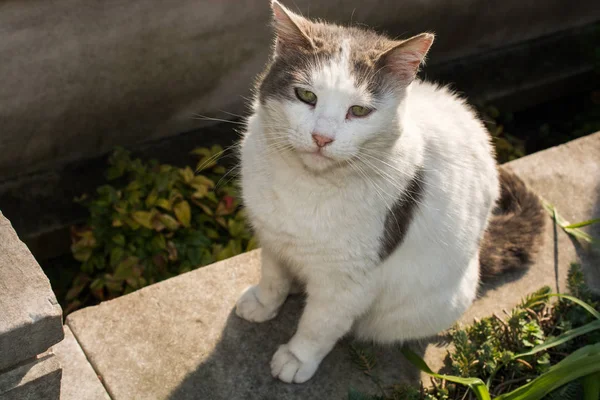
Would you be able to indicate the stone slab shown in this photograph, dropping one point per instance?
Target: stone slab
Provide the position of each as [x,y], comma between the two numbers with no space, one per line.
[79,380]
[180,340]
[30,316]
[123,71]
[36,380]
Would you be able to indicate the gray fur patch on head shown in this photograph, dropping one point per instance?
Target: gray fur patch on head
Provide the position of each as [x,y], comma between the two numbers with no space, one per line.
[398,219]
[291,66]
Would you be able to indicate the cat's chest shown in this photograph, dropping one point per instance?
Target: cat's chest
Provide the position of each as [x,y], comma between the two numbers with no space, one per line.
[304,219]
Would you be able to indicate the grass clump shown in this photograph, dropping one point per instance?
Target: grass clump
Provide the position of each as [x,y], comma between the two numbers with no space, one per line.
[154,221]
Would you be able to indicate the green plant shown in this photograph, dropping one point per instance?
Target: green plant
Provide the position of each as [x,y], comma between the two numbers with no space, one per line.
[542,349]
[153,222]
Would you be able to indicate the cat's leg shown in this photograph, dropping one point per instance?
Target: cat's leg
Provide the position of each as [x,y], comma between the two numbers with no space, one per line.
[261,302]
[328,315]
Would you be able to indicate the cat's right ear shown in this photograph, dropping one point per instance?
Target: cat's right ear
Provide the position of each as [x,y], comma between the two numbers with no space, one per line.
[289,30]
[404,58]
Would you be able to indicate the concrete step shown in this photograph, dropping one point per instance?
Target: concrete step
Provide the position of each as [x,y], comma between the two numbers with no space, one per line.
[79,380]
[179,339]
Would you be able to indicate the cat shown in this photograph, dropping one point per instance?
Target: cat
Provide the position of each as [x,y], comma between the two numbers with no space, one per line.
[377,192]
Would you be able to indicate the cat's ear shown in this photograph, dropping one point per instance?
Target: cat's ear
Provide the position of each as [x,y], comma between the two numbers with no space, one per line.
[403,59]
[289,29]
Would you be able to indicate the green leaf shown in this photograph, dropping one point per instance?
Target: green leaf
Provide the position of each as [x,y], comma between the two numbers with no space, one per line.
[119,239]
[187,174]
[206,162]
[170,222]
[144,218]
[97,284]
[151,198]
[194,255]
[159,242]
[565,337]
[582,362]
[201,151]
[252,244]
[591,386]
[202,181]
[183,213]
[82,254]
[116,254]
[475,384]
[164,204]
[125,269]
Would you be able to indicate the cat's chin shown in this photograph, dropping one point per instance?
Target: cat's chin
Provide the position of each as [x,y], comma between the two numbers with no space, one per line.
[316,161]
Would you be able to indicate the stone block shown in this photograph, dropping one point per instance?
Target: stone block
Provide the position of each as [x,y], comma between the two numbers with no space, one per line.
[30,316]
[38,379]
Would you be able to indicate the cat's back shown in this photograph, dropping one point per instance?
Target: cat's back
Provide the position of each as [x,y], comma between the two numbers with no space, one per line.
[437,108]
[455,136]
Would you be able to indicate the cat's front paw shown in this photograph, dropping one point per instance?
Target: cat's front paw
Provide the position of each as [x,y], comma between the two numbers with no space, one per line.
[288,368]
[251,309]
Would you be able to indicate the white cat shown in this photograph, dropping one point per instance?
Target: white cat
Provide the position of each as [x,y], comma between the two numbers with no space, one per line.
[372,189]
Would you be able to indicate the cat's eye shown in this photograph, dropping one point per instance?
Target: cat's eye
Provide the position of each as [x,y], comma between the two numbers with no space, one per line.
[306,96]
[359,111]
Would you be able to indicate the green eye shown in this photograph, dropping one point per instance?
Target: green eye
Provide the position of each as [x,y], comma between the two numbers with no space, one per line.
[359,111]
[306,96]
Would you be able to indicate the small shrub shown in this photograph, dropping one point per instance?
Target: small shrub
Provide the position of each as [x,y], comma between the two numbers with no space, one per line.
[153,222]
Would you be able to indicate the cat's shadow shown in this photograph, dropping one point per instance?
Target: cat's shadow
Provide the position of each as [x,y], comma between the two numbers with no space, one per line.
[238,367]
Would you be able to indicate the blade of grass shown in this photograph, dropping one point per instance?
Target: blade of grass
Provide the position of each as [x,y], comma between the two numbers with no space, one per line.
[475,384]
[582,362]
[582,224]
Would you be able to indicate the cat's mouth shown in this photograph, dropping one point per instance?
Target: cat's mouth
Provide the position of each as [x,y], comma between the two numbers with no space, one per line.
[316,160]
[317,154]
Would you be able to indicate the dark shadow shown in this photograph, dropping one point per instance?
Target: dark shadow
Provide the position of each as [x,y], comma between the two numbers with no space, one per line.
[238,368]
[500,280]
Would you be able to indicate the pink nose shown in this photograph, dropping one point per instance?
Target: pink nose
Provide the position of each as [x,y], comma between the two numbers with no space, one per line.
[321,140]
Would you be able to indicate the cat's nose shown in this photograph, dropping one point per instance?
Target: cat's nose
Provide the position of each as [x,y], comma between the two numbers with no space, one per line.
[321,140]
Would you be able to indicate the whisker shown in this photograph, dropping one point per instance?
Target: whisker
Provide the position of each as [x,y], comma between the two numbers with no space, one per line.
[205,118]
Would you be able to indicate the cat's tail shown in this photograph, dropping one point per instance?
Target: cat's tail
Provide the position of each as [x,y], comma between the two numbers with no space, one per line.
[514,232]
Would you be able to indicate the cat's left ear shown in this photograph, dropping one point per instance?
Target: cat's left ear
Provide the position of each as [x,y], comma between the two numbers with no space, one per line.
[403,59]
[290,29]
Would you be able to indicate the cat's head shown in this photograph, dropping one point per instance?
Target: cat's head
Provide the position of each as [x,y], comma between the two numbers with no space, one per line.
[332,91]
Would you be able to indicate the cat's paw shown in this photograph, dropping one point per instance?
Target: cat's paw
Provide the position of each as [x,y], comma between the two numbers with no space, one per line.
[288,368]
[251,309]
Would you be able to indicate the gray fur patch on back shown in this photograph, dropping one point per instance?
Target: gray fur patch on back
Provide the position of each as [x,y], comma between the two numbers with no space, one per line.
[398,220]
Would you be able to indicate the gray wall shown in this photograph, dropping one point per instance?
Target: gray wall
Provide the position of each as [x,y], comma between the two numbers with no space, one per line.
[79,77]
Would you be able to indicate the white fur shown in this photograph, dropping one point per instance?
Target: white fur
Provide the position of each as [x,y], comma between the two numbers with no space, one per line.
[320,220]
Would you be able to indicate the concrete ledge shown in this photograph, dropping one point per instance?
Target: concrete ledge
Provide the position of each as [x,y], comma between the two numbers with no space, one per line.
[79,380]
[30,317]
[179,339]
[38,380]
